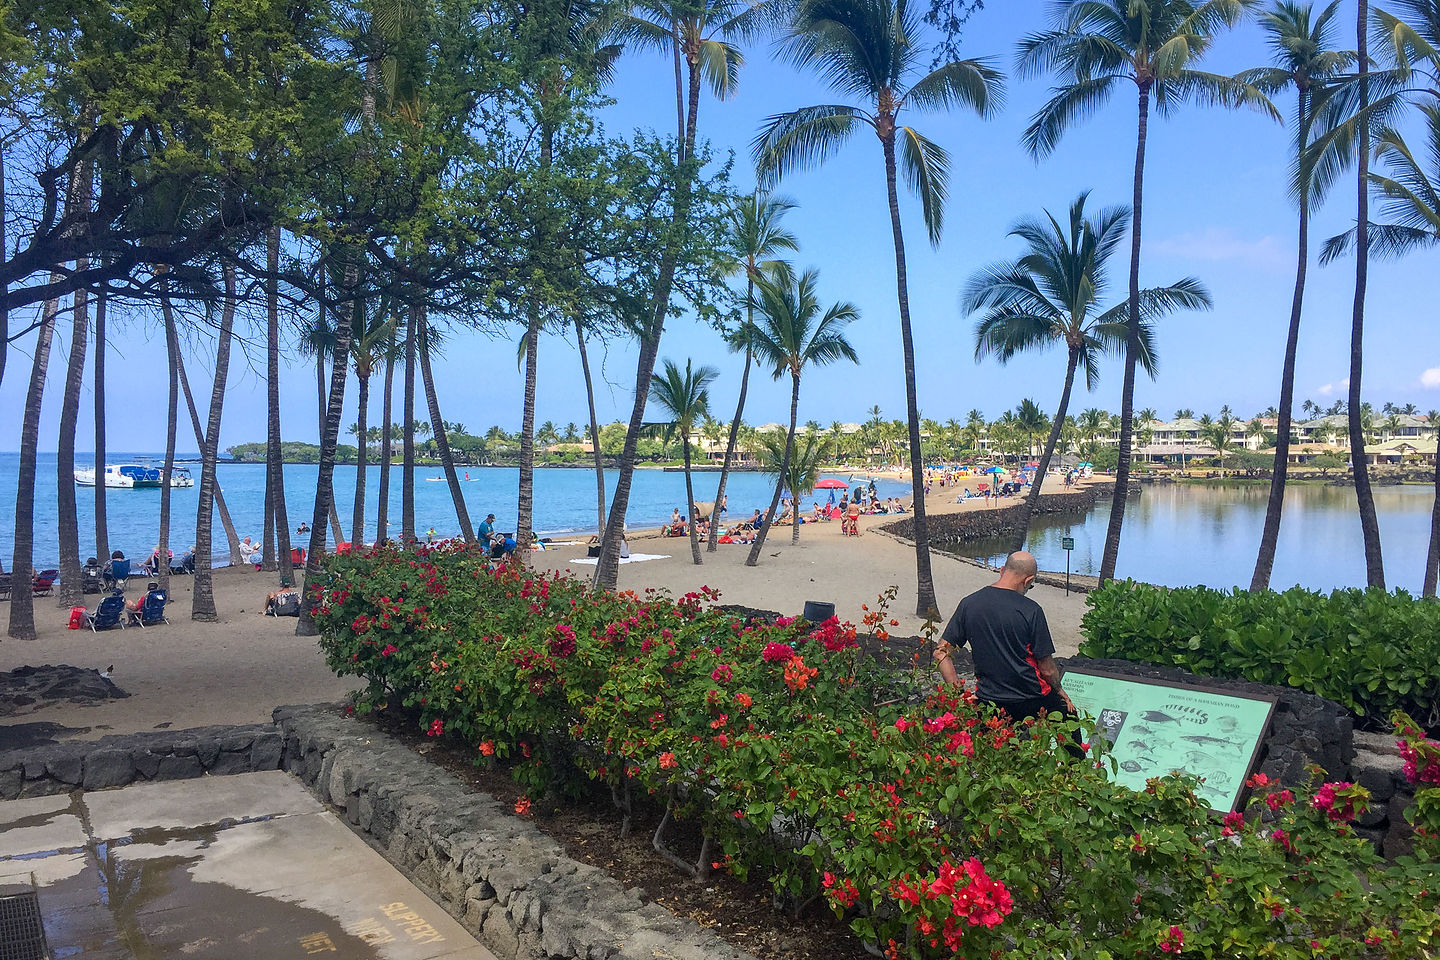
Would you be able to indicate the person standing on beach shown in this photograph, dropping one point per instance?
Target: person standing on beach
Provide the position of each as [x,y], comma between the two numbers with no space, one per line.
[485,533]
[1010,640]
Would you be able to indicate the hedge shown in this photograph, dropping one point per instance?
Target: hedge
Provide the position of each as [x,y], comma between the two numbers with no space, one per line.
[931,826]
[1371,651]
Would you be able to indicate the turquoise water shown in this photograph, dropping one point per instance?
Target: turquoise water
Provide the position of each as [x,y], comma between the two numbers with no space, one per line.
[1182,534]
[564,501]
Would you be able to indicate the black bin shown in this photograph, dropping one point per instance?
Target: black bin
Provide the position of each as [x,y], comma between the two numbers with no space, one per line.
[818,611]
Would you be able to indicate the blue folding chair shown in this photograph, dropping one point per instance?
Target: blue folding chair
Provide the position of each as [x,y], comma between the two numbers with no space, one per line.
[152,610]
[108,613]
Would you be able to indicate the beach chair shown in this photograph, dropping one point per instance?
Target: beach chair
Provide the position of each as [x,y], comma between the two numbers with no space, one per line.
[43,583]
[152,610]
[116,573]
[4,586]
[108,613]
[92,579]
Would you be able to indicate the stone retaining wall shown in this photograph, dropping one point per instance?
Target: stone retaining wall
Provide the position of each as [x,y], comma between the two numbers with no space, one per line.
[116,761]
[508,883]
[996,522]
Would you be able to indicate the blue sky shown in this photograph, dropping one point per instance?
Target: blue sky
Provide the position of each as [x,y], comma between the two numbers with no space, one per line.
[1215,209]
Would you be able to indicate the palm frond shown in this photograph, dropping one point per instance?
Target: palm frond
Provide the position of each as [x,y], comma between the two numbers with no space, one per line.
[720,64]
[974,84]
[926,166]
[802,139]
[1068,105]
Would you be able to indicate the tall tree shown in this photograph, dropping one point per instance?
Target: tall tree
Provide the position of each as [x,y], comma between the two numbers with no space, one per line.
[594,426]
[382,506]
[1411,186]
[699,35]
[686,398]
[438,431]
[69,521]
[274,458]
[793,333]
[1303,59]
[1094,47]
[368,347]
[867,48]
[1049,296]
[801,473]
[202,600]
[758,236]
[102,522]
[22,601]
[172,404]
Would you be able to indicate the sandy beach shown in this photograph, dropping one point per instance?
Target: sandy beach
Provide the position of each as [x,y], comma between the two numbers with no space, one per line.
[238,669]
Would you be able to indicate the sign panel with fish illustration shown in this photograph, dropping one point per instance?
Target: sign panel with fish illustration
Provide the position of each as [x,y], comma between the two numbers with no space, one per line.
[1155,727]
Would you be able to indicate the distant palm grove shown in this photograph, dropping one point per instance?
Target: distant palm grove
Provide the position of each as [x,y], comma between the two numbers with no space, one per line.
[368,183]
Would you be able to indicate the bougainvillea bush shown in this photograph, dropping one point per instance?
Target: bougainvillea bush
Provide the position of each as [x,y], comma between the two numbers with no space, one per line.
[930,825]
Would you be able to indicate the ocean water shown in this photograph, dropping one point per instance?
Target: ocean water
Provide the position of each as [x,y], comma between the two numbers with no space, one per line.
[564,501]
[1184,534]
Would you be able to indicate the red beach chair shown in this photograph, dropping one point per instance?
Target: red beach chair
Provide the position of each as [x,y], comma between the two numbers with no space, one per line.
[43,583]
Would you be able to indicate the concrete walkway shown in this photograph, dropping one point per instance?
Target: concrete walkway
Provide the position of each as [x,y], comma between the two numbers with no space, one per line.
[215,868]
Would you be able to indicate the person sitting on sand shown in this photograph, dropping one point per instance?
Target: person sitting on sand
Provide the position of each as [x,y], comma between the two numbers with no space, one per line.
[755,520]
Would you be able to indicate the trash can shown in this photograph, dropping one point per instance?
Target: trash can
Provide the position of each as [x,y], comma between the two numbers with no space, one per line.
[818,611]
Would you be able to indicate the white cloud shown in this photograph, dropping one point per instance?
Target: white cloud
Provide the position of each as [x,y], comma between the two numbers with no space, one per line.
[1339,386]
[1222,243]
[1430,379]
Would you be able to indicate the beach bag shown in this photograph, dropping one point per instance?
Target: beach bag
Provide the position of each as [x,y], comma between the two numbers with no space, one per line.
[287,604]
[77,618]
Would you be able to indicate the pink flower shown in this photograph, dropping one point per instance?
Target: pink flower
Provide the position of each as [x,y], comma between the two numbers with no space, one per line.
[1172,941]
[722,673]
[389,649]
[777,652]
[437,727]
[902,724]
[1234,823]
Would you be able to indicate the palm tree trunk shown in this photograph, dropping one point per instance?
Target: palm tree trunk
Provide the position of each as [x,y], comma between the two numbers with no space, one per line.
[524,524]
[274,458]
[1270,533]
[172,404]
[1364,497]
[690,499]
[382,507]
[925,605]
[226,524]
[754,556]
[1432,560]
[607,566]
[407,435]
[267,537]
[442,441]
[202,601]
[5,286]
[325,481]
[714,538]
[22,601]
[72,592]
[1034,496]
[362,456]
[594,428]
[324,398]
[102,526]
[1132,351]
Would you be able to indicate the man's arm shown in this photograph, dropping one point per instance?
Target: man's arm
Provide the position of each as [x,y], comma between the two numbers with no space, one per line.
[1049,671]
[952,636]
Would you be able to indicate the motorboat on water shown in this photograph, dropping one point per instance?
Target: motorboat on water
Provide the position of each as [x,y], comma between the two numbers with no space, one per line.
[125,476]
[180,477]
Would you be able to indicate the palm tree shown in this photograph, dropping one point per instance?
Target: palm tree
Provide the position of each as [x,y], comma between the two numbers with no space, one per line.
[867,48]
[1302,59]
[102,524]
[202,601]
[369,345]
[22,601]
[318,339]
[594,426]
[802,472]
[686,397]
[437,427]
[226,523]
[1220,433]
[1184,413]
[274,461]
[792,334]
[1155,44]
[69,522]
[699,34]
[757,234]
[1145,425]
[1411,186]
[172,356]
[1049,295]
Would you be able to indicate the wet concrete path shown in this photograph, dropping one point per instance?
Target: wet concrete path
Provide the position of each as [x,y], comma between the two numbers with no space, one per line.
[217,868]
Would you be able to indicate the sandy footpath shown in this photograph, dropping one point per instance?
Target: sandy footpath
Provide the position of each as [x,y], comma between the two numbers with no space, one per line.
[237,670]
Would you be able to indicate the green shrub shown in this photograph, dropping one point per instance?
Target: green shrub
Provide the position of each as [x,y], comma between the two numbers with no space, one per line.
[1370,651]
[933,828]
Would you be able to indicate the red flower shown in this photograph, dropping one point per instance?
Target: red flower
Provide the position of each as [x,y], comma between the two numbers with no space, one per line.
[562,644]
[389,649]
[902,724]
[797,675]
[487,748]
[437,727]
[1172,941]
[522,806]
[1234,823]
[1279,799]
[722,673]
[667,761]
[777,652]
[744,701]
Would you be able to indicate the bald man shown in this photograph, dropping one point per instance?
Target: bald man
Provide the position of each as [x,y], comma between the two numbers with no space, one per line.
[1014,655]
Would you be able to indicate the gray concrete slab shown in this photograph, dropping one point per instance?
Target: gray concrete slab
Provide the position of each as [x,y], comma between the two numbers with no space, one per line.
[192,803]
[39,824]
[256,869]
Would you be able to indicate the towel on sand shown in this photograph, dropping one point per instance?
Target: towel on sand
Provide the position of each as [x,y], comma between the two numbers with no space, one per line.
[633,558]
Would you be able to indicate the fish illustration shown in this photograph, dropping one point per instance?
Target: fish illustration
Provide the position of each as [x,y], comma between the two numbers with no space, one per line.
[1139,745]
[1156,716]
[1130,766]
[1142,729]
[1205,741]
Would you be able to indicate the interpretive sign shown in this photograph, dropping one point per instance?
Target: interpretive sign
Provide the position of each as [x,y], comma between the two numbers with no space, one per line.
[1156,727]
[1067,543]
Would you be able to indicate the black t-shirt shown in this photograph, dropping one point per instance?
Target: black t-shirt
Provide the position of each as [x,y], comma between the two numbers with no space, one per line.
[1008,637]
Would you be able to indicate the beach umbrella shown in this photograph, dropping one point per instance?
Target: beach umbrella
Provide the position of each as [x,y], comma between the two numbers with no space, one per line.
[1033,463]
[830,483]
[994,470]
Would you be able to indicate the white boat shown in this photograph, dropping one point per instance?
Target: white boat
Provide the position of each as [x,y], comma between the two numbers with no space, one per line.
[180,477]
[123,476]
